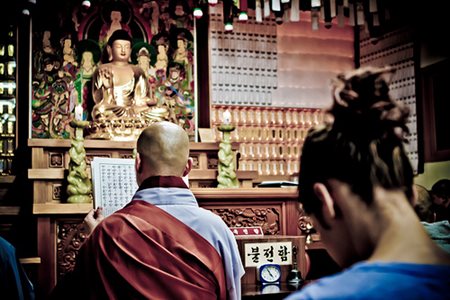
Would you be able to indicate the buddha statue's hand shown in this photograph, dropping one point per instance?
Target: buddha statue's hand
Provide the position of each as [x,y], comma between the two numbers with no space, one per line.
[151,102]
[106,76]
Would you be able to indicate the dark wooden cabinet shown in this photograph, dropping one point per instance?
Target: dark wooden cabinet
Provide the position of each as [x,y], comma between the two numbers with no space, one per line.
[436,110]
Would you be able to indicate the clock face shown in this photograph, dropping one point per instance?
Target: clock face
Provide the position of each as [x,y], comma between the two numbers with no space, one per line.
[270,273]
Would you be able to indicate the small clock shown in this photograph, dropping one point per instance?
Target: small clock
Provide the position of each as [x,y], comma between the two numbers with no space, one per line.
[269,273]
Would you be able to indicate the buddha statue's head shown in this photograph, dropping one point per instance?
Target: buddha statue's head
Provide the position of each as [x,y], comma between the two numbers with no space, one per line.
[119,46]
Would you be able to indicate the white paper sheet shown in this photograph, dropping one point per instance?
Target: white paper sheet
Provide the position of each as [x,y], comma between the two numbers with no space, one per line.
[114,182]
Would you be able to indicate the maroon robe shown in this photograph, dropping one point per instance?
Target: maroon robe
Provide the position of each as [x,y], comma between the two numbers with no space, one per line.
[142,252]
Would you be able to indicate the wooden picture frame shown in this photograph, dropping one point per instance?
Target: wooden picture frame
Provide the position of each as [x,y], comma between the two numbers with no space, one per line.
[436,108]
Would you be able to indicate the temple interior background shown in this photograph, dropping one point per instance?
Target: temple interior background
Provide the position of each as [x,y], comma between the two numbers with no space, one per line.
[269,76]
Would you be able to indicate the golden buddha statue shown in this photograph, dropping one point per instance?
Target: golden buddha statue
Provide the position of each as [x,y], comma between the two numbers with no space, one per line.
[122,96]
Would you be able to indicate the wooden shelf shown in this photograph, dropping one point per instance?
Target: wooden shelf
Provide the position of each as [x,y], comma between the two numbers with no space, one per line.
[65,143]
[48,174]
[106,144]
[212,174]
[30,260]
[200,193]
[210,146]
[45,173]
[9,210]
[262,178]
[7,178]
[248,193]
[62,208]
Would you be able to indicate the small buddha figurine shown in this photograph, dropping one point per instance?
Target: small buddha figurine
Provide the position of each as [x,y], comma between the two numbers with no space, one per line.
[88,64]
[162,59]
[46,43]
[144,62]
[154,25]
[68,52]
[121,92]
[184,56]
[181,54]
[115,23]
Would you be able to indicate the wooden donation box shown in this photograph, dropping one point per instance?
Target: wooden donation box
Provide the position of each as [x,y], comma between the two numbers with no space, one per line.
[59,224]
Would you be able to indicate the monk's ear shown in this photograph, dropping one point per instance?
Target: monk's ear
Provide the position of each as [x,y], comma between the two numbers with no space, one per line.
[138,163]
[188,167]
[327,200]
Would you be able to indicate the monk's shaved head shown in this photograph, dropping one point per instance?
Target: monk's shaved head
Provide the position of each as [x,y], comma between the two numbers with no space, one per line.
[163,148]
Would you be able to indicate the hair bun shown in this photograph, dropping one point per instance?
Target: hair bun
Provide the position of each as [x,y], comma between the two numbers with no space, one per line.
[362,104]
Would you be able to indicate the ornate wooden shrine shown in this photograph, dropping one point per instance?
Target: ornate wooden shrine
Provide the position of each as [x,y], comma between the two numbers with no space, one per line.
[59,224]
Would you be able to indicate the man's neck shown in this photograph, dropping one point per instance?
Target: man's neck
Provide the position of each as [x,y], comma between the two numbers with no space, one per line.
[391,244]
[163,181]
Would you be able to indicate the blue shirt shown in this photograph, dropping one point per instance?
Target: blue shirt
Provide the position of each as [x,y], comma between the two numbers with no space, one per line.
[379,280]
[182,204]
[440,233]
[14,283]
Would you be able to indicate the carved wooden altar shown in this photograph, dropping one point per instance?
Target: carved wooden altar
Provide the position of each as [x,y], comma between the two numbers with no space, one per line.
[61,234]
[60,230]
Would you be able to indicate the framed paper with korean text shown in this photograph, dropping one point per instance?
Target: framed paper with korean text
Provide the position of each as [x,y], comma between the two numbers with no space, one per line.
[257,254]
[282,250]
[114,182]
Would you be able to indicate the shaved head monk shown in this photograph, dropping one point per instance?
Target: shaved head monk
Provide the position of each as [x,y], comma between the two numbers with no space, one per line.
[162,150]
[161,245]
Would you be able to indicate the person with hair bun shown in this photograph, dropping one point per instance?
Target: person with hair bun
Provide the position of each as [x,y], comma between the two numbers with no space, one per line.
[356,183]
